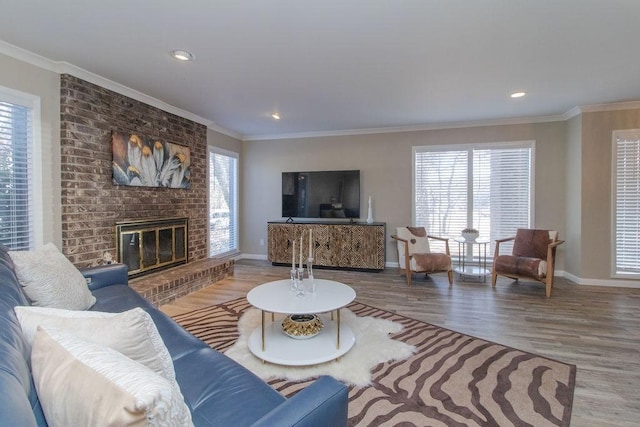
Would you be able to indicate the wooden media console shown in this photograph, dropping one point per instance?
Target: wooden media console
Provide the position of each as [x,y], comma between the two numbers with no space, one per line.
[357,246]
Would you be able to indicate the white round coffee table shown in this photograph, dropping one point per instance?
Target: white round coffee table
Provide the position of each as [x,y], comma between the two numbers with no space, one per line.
[269,343]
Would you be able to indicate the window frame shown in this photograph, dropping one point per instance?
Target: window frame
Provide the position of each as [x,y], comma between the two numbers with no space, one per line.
[234,215]
[35,178]
[470,147]
[615,135]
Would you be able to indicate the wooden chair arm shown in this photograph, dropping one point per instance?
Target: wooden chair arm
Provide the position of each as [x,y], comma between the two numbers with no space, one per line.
[442,239]
[551,257]
[556,243]
[506,239]
[497,249]
[393,236]
[406,245]
[551,251]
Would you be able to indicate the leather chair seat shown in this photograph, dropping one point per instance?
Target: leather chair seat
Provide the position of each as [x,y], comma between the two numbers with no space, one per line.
[521,266]
[430,262]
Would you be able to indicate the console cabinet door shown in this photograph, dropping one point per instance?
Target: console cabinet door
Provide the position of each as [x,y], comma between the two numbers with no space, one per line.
[278,244]
[280,240]
[340,236]
[367,247]
[322,244]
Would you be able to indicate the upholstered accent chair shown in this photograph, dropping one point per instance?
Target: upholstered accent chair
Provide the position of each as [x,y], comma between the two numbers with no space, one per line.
[415,256]
[533,256]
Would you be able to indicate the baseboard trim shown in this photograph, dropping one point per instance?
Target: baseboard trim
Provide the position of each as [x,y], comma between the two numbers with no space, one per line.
[259,257]
[611,283]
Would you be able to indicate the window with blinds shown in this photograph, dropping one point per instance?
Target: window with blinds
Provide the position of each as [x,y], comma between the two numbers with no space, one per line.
[626,202]
[488,188]
[223,202]
[16,206]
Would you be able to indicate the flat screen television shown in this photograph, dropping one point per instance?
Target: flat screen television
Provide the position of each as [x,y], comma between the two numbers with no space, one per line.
[321,194]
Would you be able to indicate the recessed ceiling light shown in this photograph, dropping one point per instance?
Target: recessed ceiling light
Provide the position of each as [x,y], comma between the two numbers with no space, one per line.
[518,94]
[182,55]
[276,116]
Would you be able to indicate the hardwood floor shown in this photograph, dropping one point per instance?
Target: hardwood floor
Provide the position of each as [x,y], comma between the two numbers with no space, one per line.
[595,328]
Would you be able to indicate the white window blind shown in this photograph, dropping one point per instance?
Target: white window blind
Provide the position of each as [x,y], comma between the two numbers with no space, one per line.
[223,202]
[626,157]
[441,180]
[489,189]
[16,206]
[502,191]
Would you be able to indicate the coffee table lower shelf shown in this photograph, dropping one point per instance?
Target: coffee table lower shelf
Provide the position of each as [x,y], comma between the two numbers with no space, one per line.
[284,350]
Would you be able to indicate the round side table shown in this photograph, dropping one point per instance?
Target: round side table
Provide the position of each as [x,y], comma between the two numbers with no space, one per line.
[465,267]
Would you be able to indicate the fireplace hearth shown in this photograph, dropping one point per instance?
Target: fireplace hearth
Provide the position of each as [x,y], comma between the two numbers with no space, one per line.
[146,246]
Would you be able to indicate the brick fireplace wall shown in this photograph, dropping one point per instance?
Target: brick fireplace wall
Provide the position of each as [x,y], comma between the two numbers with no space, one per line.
[91,204]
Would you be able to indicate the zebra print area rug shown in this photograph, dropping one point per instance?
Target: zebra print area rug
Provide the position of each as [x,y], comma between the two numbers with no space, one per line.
[452,380]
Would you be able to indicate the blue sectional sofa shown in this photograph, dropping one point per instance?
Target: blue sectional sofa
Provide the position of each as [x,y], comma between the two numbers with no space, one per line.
[217,390]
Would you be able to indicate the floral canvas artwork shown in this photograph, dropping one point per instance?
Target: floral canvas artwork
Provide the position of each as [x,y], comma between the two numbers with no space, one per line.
[147,162]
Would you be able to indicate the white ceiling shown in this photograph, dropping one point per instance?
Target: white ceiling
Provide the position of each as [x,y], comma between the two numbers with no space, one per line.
[340,65]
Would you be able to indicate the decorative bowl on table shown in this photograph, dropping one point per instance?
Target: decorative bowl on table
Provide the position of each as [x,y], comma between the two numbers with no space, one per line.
[302,326]
[470,234]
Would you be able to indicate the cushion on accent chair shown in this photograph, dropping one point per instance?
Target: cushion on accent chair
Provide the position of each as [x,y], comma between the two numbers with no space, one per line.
[430,262]
[50,280]
[510,264]
[419,245]
[85,384]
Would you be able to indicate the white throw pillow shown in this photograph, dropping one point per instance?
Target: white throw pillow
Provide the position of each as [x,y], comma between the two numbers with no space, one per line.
[50,280]
[85,384]
[131,333]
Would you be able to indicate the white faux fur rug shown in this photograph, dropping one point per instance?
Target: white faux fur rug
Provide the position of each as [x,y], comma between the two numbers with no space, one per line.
[373,346]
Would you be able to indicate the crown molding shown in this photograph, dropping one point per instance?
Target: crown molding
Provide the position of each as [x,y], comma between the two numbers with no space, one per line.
[594,108]
[575,111]
[83,74]
[28,57]
[415,128]
[61,67]
[614,106]
[216,128]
